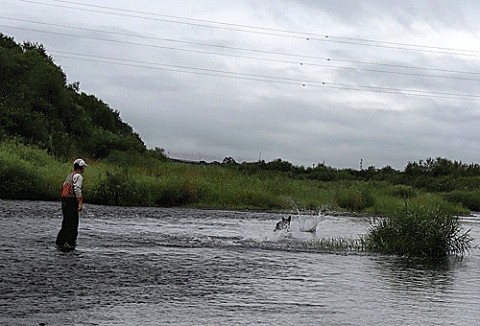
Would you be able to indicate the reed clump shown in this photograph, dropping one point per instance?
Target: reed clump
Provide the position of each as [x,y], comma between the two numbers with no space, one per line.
[428,231]
[419,230]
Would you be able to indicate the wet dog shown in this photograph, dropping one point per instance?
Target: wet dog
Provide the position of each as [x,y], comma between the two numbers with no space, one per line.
[284,224]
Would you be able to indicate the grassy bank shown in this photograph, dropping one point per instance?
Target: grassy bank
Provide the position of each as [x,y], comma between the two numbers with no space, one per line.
[133,179]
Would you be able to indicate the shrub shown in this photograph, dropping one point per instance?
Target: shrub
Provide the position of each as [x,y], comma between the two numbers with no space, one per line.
[122,188]
[176,193]
[385,205]
[128,159]
[403,191]
[262,200]
[354,199]
[434,201]
[115,189]
[469,199]
[26,172]
[419,231]
[17,180]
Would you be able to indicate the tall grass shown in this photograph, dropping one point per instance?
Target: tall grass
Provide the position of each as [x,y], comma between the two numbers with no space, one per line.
[27,172]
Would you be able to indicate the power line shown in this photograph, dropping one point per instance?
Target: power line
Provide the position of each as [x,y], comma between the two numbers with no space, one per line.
[303,63]
[240,48]
[266,28]
[366,87]
[263,30]
[251,50]
[171,20]
[186,69]
[179,17]
[406,66]
[263,78]
[164,39]
[297,81]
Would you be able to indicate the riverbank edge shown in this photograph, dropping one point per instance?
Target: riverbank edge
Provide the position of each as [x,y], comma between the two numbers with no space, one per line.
[292,211]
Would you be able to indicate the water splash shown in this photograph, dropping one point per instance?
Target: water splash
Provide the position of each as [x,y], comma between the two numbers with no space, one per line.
[309,223]
[308,220]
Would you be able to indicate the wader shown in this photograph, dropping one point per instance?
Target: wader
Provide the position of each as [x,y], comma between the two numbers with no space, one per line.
[69,231]
[67,237]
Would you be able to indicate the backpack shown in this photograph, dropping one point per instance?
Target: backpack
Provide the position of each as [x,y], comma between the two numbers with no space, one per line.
[67,187]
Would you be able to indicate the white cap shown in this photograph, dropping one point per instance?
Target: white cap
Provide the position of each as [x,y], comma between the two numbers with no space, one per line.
[79,162]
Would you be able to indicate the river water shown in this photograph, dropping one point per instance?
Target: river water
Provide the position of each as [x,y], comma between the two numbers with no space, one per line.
[158,266]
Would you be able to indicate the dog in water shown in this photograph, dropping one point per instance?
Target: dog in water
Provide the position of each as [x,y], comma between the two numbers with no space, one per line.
[284,224]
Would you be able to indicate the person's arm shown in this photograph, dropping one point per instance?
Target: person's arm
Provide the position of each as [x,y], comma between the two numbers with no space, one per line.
[77,189]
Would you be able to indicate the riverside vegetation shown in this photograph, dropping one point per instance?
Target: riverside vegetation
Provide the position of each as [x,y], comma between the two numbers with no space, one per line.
[45,122]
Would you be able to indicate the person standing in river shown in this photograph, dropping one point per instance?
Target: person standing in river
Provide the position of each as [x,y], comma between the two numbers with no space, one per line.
[72,204]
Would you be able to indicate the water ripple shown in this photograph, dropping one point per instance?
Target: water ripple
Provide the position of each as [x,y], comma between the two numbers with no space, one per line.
[155,266]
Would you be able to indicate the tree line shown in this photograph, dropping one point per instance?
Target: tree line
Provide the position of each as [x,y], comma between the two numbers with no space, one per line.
[433,174]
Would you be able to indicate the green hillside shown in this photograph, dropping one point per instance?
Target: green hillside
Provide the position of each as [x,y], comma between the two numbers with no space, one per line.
[38,107]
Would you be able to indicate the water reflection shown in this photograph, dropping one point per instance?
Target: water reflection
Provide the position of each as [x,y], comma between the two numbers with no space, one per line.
[417,274]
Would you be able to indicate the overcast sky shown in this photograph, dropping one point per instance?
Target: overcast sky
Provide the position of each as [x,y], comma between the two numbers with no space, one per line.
[307,81]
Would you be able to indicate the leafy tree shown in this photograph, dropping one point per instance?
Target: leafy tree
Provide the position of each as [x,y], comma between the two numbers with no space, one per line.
[229,161]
